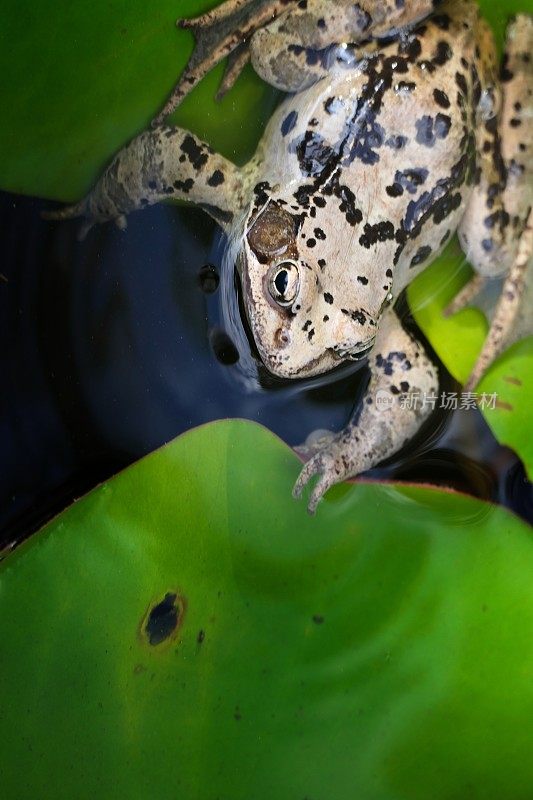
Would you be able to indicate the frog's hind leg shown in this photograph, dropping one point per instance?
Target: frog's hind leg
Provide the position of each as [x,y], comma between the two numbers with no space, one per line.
[512,315]
[314,38]
[166,163]
[288,40]
[217,34]
[495,232]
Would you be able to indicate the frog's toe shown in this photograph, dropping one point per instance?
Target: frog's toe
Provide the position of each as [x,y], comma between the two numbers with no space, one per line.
[323,465]
[466,296]
[71,212]
[317,441]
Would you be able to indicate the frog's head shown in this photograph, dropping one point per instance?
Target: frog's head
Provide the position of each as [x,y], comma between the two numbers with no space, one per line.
[303,318]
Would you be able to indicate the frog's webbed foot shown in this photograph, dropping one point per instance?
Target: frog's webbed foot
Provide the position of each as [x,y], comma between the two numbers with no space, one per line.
[237,61]
[468,295]
[328,465]
[218,33]
[82,210]
[399,398]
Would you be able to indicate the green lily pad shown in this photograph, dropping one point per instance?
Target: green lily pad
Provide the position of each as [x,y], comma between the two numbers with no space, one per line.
[187,630]
[77,84]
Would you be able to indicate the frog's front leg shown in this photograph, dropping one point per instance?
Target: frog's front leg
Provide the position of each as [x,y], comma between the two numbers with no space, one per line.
[166,163]
[496,231]
[392,410]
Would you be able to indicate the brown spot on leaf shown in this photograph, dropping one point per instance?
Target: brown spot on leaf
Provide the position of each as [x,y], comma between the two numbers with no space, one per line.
[503,405]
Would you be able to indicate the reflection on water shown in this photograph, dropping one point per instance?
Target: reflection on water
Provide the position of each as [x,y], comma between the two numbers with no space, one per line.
[115,345]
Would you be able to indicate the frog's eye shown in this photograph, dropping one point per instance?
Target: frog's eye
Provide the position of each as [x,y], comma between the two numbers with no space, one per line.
[284,282]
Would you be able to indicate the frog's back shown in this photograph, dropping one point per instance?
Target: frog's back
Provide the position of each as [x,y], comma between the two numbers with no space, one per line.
[394,133]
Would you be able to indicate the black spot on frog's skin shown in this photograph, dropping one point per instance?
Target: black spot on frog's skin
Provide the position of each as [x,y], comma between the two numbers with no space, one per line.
[319,233]
[441,98]
[487,245]
[411,47]
[370,137]
[396,142]
[362,18]
[223,348]
[500,218]
[362,279]
[442,21]
[357,315]
[386,363]
[184,186]
[461,82]
[445,207]
[311,242]
[429,129]
[321,263]
[394,190]
[289,122]
[352,214]
[505,74]
[381,232]
[313,153]
[208,279]
[307,324]
[319,201]
[410,180]
[443,53]
[333,105]
[261,190]
[328,297]
[216,178]
[420,256]
[163,619]
[405,86]
[194,152]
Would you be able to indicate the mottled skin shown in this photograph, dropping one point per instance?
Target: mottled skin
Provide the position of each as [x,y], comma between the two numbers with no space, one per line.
[400,132]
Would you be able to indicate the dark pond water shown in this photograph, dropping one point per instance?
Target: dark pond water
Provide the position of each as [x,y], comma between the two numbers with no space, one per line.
[115,345]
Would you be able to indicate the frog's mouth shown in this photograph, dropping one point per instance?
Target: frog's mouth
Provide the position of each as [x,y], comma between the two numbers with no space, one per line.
[354,354]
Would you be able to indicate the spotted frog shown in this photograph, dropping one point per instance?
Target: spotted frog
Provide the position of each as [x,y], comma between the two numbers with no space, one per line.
[398,130]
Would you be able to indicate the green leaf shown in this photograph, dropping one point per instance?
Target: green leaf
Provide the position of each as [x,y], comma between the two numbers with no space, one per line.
[77,83]
[380,650]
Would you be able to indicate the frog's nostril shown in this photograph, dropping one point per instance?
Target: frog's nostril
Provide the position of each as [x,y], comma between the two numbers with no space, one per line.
[282,338]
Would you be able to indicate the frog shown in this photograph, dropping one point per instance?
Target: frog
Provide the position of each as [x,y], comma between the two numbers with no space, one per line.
[398,129]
